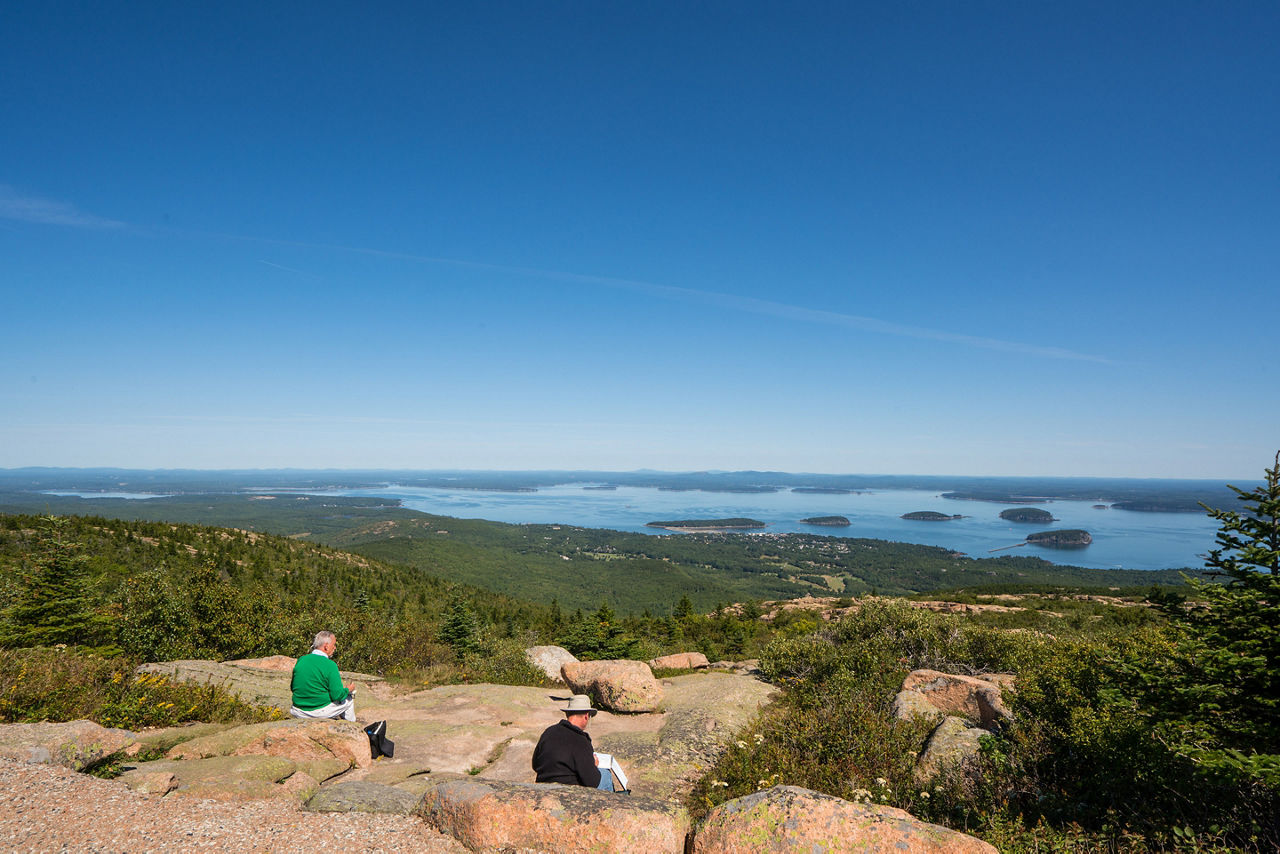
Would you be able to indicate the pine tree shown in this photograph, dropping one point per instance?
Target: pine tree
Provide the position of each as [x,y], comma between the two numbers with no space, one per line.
[1225,689]
[56,606]
[460,628]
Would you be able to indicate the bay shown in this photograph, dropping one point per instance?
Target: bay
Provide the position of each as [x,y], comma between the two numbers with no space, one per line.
[1122,539]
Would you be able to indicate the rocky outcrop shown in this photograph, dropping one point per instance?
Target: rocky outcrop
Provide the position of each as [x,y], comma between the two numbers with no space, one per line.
[964,708]
[549,659]
[286,759]
[680,661]
[281,663]
[299,740]
[750,667]
[794,820]
[954,744]
[256,683]
[484,732]
[493,816]
[224,778]
[75,745]
[619,686]
[977,700]
[912,704]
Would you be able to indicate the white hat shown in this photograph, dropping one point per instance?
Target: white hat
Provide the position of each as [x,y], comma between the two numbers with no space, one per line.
[578,704]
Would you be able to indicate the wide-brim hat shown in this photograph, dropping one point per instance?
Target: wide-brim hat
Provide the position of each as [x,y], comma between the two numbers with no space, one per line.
[578,704]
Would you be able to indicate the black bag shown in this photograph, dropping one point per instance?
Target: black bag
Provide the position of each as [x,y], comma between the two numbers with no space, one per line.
[379,744]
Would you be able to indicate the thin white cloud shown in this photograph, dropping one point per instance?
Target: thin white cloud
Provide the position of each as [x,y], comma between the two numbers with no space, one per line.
[287,269]
[14,205]
[722,300]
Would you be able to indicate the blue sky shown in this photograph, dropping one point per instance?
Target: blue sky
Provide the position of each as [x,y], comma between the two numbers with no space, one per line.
[926,238]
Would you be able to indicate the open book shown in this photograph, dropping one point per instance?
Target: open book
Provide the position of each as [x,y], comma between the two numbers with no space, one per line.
[606,762]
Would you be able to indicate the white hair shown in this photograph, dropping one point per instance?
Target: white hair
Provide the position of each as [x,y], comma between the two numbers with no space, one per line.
[322,638]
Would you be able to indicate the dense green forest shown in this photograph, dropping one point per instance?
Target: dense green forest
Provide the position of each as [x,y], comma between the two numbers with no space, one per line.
[637,572]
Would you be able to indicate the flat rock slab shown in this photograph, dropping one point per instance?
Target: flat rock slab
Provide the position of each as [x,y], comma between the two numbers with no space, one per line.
[489,731]
[75,744]
[299,740]
[363,796]
[219,778]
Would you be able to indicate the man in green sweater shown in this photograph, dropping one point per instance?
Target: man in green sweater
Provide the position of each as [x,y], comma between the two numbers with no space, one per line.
[317,686]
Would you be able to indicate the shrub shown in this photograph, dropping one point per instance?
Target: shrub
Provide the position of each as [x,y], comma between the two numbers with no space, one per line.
[66,684]
[834,730]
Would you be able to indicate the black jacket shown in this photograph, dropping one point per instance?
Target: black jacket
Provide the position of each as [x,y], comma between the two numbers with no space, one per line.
[564,755]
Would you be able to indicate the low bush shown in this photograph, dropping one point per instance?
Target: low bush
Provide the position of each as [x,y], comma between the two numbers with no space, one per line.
[66,684]
[1088,764]
[834,730]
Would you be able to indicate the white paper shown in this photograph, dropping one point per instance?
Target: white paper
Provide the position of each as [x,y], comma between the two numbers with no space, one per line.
[606,762]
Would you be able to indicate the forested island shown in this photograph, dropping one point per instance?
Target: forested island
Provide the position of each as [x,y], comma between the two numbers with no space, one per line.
[1068,538]
[1027,514]
[735,524]
[828,521]
[929,516]
[824,490]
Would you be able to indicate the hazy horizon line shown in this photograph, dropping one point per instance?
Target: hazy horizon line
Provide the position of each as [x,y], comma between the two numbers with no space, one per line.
[652,471]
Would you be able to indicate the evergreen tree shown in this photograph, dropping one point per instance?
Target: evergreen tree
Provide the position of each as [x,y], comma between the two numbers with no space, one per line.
[1223,693]
[56,605]
[460,628]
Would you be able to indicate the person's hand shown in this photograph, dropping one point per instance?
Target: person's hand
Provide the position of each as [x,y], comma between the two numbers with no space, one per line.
[597,759]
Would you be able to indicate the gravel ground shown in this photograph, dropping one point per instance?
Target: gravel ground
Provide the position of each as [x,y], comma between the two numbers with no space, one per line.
[44,808]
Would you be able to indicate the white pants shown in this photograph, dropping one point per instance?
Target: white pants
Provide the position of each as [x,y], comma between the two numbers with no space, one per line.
[345,710]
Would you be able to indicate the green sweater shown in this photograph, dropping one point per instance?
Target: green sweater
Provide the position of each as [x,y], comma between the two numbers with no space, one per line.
[316,682]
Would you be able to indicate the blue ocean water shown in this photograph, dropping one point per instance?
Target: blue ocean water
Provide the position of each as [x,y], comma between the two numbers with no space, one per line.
[1122,539]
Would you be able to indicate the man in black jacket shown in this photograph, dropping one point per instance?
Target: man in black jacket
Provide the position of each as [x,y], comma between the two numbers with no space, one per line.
[564,753]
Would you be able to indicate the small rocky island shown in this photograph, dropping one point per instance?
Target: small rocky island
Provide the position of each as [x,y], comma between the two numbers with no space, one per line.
[1027,514]
[708,525]
[929,516]
[828,521]
[1069,538]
